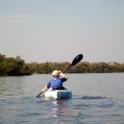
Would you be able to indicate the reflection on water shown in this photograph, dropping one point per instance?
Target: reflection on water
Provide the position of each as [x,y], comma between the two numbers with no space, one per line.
[58,108]
[97,99]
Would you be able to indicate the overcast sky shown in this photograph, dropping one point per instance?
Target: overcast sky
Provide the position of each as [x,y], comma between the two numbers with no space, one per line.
[58,30]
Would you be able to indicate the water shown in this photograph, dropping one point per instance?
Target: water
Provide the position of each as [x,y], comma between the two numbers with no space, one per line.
[97,99]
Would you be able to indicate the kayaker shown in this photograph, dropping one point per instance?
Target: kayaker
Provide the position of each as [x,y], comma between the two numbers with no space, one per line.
[57,82]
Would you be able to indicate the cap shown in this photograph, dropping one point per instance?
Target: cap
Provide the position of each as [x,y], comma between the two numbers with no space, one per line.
[56,72]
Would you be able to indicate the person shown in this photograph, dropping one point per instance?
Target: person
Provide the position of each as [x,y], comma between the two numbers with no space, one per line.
[57,82]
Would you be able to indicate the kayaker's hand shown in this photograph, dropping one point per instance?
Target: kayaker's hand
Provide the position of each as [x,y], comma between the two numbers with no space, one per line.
[64,76]
[44,89]
[61,74]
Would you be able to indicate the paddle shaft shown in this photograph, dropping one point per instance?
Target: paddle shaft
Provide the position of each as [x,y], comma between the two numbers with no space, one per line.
[40,93]
[66,68]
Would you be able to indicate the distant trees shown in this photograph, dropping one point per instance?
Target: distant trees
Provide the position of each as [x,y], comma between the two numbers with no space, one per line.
[17,66]
[47,67]
[13,66]
[82,67]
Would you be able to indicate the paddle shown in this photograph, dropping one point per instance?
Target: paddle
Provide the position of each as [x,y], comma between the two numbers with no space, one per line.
[76,60]
[39,94]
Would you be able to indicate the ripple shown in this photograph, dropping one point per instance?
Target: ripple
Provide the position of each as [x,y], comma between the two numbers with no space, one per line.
[90,97]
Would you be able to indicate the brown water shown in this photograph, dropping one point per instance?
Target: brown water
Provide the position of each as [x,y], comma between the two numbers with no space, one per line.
[97,99]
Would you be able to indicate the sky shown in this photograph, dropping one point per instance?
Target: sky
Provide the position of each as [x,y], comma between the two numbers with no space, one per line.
[58,30]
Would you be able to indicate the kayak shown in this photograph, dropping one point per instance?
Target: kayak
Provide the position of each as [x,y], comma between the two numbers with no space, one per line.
[58,94]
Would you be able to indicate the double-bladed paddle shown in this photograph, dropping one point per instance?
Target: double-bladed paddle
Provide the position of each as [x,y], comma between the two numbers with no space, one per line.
[76,60]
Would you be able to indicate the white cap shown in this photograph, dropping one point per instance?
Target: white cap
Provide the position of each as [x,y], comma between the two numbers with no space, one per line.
[56,72]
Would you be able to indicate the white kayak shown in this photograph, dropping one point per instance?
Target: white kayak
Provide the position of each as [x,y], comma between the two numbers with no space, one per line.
[59,94]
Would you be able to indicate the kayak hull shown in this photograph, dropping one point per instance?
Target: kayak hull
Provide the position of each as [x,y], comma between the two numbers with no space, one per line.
[58,94]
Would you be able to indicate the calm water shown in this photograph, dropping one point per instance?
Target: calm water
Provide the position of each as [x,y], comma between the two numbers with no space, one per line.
[97,99]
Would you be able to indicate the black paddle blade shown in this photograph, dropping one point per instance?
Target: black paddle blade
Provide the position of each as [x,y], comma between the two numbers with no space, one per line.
[77,59]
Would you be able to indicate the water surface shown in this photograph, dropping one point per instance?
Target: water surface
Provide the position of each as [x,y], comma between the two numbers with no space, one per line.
[97,99]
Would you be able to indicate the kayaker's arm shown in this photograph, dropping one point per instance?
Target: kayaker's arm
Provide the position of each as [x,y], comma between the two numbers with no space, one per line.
[44,89]
[63,75]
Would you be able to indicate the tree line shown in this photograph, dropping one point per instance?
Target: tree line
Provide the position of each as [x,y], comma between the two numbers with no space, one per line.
[17,67]
[82,67]
[13,66]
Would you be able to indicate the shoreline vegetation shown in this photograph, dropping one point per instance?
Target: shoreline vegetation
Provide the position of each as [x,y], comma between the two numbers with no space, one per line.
[17,67]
